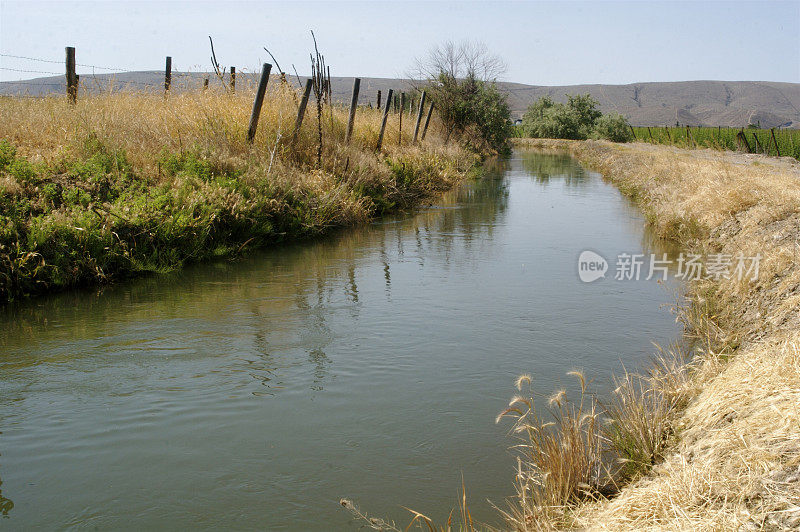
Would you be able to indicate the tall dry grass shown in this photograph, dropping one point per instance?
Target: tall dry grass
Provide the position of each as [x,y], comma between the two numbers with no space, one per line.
[131,181]
[713,441]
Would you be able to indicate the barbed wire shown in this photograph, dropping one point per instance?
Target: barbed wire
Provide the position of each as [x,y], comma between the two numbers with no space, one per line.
[90,82]
[31,58]
[121,70]
[30,71]
[37,84]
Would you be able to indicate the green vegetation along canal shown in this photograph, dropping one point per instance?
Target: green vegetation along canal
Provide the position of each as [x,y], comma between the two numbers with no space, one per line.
[368,365]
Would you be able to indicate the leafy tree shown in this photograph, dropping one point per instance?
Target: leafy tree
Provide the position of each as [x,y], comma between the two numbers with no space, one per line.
[613,127]
[585,107]
[555,121]
[577,119]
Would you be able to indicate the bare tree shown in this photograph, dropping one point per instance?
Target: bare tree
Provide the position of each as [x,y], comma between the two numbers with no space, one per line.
[465,59]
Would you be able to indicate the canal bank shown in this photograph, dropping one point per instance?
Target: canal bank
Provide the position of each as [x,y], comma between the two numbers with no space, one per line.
[369,364]
[129,184]
[733,458]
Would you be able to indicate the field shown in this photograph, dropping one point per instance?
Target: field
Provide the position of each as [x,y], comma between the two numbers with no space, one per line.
[723,138]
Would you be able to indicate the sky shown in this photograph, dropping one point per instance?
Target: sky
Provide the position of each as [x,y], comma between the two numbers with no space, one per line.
[543,43]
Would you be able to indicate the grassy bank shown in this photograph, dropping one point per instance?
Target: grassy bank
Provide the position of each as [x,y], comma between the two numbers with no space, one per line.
[707,439]
[128,183]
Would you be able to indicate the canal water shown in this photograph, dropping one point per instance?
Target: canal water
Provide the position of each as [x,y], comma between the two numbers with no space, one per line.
[368,365]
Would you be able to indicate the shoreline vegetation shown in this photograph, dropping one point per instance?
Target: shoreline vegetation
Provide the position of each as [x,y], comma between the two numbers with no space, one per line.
[703,439]
[129,183]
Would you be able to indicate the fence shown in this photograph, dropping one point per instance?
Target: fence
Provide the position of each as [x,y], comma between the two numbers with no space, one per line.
[201,80]
[775,141]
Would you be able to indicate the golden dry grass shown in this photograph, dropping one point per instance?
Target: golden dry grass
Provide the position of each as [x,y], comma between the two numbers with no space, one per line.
[78,182]
[735,462]
[144,124]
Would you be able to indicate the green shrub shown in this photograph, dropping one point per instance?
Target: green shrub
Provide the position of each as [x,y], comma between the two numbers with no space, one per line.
[460,81]
[7,153]
[613,127]
[574,120]
[22,170]
[77,197]
[193,163]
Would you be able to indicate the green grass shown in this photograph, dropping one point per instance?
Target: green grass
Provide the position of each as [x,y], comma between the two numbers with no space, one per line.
[92,216]
[788,140]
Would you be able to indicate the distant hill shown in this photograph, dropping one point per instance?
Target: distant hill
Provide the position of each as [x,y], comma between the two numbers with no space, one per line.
[707,103]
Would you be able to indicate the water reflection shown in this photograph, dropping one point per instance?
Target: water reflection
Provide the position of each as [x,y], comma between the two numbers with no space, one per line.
[544,167]
[6,505]
[281,300]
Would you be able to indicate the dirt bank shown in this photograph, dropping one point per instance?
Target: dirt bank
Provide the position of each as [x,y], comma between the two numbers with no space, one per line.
[734,461]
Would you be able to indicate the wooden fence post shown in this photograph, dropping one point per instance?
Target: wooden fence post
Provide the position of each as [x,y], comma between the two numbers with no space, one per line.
[326,86]
[385,117]
[233,79]
[650,133]
[669,137]
[689,136]
[427,121]
[379,99]
[205,84]
[167,75]
[632,132]
[302,110]
[419,116]
[353,105]
[777,149]
[742,138]
[262,89]
[402,110]
[758,145]
[72,79]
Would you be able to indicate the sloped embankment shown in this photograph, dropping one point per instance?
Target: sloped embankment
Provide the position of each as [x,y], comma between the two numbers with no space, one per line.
[735,458]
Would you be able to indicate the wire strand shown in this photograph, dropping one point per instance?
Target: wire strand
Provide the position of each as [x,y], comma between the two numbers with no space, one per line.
[31,71]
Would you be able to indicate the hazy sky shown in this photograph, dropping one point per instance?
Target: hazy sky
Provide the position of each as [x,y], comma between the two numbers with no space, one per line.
[544,43]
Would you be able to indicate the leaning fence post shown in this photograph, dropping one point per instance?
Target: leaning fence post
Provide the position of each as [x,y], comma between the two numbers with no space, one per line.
[379,99]
[632,132]
[168,75]
[758,145]
[301,111]
[385,117]
[419,115]
[427,121]
[233,79]
[353,104]
[72,79]
[650,133]
[777,149]
[743,140]
[262,89]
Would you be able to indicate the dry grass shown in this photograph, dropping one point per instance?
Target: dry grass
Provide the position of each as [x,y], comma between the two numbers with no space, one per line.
[79,194]
[735,459]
